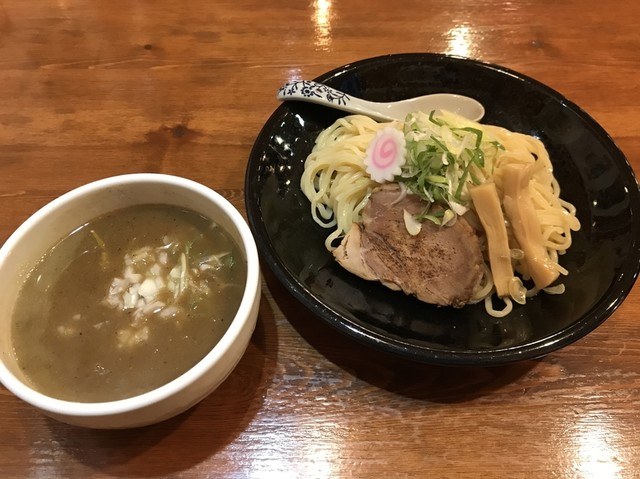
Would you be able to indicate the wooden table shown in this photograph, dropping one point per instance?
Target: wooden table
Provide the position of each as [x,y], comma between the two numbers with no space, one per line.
[94,88]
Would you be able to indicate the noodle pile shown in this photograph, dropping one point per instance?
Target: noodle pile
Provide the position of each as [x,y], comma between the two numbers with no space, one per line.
[338,186]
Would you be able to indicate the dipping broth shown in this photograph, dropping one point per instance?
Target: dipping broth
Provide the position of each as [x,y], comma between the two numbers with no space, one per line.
[127,303]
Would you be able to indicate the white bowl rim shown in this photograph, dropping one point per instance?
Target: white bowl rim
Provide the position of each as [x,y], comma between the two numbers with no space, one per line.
[109,408]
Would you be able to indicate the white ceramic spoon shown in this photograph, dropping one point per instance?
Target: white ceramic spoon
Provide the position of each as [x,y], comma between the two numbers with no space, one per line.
[314,92]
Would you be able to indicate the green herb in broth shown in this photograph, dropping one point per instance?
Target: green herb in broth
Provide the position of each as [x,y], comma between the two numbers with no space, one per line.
[127,303]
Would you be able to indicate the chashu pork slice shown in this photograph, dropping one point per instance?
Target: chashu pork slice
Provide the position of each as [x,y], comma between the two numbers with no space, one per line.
[440,265]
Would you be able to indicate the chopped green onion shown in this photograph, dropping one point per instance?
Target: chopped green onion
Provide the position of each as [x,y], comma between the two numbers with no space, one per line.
[445,155]
[104,256]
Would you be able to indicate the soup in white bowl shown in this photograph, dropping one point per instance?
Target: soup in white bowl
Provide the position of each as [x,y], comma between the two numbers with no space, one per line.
[134,297]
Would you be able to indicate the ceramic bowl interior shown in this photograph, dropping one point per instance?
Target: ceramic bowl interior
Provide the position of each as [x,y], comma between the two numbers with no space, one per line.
[63,215]
[593,173]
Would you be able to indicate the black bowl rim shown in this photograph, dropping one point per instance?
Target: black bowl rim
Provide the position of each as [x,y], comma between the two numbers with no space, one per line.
[589,321]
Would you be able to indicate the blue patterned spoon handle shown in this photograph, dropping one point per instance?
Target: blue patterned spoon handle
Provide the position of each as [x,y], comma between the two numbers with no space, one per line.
[313,92]
[310,91]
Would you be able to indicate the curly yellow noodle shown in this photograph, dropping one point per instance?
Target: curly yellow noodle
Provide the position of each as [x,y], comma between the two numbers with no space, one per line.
[498,313]
[334,177]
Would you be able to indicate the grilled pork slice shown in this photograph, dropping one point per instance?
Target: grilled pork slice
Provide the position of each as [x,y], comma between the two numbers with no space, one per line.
[440,265]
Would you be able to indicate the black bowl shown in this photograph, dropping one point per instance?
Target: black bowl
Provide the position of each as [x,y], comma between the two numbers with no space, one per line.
[603,261]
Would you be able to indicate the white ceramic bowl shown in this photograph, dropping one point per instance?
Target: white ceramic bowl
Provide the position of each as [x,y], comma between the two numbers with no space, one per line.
[42,230]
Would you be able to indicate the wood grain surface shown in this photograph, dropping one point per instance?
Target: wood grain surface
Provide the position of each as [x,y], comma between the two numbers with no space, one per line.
[94,88]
